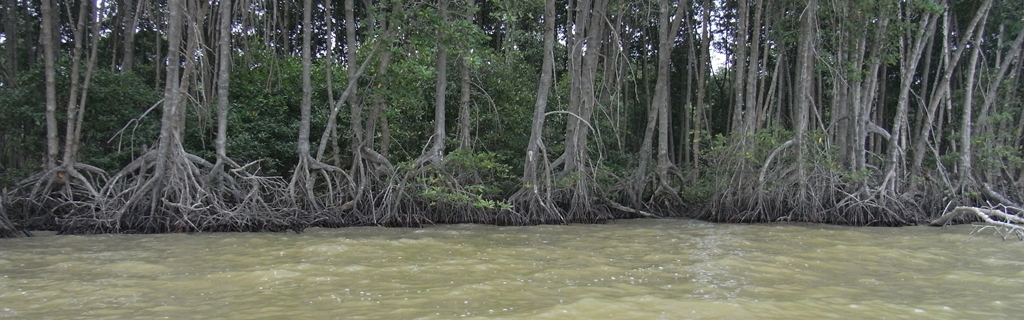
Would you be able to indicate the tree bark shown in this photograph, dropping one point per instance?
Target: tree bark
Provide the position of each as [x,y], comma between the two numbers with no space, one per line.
[908,67]
[76,62]
[223,81]
[51,84]
[533,149]
[128,60]
[464,90]
[436,152]
[802,96]
[926,127]
[76,136]
[991,93]
[739,65]
[307,87]
[751,109]
[702,70]
[168,129]
[12,44]
[964,165]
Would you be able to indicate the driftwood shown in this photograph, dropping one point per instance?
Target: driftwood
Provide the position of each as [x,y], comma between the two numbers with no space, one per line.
[1004,223]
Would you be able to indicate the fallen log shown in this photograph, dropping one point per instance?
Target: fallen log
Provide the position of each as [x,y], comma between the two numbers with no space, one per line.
[1005,223]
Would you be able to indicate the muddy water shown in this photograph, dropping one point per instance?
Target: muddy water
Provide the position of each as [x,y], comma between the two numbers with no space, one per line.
[667,269]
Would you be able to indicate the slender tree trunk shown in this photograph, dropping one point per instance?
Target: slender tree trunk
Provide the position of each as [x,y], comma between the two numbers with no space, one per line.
[964,166]
[802,97]
[133,8]
[51,84]
[436,152]
[12,45]
[739,65]
[993,88]
[160,63]
[71,152]
[750,114]
[171,105]
[196,10]
[908,67]
[307,87]
[464,116]
[702,70]
[76,62]
[590,21]
[355,107]
[921,142]
[666,44]
[223,81]
[329,78]
[534,147]
[869,91]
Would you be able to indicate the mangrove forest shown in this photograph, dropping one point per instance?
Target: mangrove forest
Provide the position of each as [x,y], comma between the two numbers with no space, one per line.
[155,116]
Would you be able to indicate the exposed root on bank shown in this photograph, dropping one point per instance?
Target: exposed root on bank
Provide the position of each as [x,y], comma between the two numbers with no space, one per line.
[579,196]
[433,190]
[773,191]
[147,197]
[397,206]
[370,174]
[43,199]
[533,204]
[7,228]
[665,198]
[323,198]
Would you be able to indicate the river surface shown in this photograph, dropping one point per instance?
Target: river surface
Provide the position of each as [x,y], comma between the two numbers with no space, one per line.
[639,269]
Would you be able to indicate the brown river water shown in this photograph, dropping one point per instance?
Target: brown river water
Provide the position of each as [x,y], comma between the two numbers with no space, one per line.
[640,269]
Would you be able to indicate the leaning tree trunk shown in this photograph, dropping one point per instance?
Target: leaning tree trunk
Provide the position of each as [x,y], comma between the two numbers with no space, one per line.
[534,198]
[908,68]
[921,143]
[577,168]
[658,113]
[993,87]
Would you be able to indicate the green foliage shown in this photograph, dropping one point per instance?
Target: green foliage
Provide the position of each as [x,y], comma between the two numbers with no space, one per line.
[486,174]
[115,99]
[22,125]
